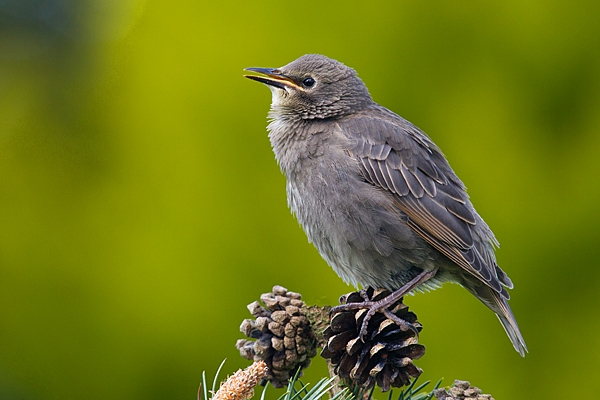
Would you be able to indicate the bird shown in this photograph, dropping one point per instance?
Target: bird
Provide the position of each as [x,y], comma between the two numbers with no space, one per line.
[374,194]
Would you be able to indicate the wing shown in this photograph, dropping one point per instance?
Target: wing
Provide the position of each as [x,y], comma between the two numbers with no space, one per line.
[399,158]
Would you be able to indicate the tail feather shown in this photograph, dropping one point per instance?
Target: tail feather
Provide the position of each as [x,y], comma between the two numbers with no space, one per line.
[512,330]
[499,305]
[509,323]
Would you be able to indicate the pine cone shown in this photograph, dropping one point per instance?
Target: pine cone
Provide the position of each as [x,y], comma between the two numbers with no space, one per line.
[385,357]
[461,390]
[285,339]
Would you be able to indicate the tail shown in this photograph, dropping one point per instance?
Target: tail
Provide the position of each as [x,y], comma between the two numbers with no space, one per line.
[509,323]
[499,305]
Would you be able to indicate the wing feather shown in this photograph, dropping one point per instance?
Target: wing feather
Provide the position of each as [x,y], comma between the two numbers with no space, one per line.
[426,189]
[413,184]
[377,172]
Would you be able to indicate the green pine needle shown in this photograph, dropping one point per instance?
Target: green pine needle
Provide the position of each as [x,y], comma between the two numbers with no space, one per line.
[321,389]
[424,396]
[297,390]
[216,380]
[263,395]
[204,386]
[203,389]
[412,393]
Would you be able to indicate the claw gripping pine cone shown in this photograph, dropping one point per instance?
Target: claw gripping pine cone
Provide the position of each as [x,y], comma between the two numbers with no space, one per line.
[386,355]
[285,340]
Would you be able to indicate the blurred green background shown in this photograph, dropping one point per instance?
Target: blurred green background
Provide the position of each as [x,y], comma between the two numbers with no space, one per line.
[141,208]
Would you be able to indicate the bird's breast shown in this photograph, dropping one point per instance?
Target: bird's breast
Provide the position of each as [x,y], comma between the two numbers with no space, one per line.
[353,224]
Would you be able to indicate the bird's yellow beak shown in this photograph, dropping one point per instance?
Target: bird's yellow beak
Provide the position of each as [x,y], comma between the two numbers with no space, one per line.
[273,77]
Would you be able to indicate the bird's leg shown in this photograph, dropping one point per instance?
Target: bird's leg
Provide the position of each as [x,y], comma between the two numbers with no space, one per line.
[385,303]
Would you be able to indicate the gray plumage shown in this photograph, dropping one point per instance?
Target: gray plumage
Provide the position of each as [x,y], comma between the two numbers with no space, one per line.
[374,194]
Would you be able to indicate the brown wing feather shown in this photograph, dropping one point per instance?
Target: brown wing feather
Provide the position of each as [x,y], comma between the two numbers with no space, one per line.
[426,190]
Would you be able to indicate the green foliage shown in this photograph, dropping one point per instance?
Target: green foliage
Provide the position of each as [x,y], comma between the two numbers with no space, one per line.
[411,392]
[297,390]
[414,393]
[203,393]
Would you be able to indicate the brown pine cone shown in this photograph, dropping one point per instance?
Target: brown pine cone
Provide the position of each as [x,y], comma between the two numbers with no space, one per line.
[285,340]
[461,390]
[386,355]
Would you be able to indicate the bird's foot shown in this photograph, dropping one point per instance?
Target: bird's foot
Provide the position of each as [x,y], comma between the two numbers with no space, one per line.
[368,308]
[384,305]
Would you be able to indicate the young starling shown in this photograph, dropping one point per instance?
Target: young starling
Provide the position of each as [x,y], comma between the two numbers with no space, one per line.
[374,194]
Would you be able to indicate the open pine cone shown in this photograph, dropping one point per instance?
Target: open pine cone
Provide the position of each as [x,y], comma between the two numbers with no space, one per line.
[461,390]
[385,357]
[285,339]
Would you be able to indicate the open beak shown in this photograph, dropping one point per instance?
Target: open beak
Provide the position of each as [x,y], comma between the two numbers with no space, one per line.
[272,77]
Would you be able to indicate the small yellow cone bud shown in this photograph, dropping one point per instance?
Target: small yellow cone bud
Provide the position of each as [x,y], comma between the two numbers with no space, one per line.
[240,386]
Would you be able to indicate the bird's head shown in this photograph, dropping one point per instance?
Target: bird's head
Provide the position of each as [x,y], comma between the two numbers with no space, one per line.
[313,86]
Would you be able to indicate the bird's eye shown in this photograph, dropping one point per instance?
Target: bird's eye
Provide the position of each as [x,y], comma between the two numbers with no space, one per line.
[308,82]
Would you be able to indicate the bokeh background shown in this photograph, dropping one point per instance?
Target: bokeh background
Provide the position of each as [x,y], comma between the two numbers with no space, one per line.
[141,208]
